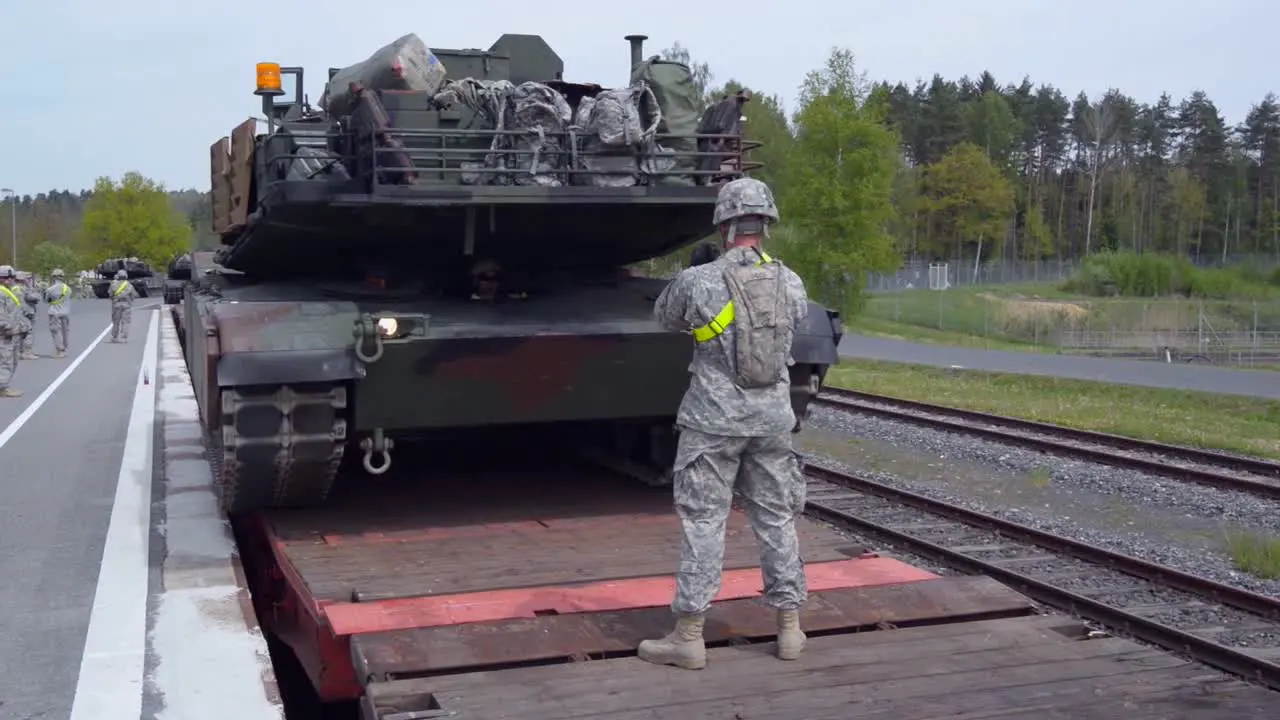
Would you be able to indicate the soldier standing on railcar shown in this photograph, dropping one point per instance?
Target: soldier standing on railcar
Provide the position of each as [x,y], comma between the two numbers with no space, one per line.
[735,422]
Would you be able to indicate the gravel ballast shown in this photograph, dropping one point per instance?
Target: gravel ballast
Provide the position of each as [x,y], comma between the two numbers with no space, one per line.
[1178,524]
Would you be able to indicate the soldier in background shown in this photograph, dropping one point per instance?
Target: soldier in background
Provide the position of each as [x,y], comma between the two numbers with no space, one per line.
[30,304]
[11,322]
[122,294]
[58,295]
[735,423]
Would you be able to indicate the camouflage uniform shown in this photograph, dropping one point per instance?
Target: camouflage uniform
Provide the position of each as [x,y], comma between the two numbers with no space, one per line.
[58,295]
[734,436]
[11,322]
[30,303]
[121,293]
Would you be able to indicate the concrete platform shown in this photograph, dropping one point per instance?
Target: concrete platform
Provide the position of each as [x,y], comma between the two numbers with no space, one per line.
[206,655]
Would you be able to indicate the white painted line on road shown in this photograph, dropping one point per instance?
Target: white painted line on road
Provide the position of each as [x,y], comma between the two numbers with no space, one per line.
[111,669]
[22,419]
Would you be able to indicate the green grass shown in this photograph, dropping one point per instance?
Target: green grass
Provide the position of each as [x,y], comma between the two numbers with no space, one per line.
[1256,554]
[1217,422]
[1033,317]
[877,327]
[1040,477]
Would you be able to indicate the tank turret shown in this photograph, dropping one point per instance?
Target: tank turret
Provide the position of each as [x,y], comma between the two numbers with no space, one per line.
[470,151]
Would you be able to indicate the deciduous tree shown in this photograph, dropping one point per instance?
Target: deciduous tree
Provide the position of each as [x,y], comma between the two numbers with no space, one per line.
[970,198]
[132,218]
[47,255]
[837,188]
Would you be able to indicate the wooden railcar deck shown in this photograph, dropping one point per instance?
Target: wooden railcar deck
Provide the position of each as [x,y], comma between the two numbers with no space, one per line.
[504,531]
[1030,667]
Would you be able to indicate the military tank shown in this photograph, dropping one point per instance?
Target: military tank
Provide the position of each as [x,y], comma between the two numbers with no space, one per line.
[138,271]
[442,245]
[176,279]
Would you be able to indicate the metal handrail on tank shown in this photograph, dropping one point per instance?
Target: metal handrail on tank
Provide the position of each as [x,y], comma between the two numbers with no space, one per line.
[396,157]
[568,157]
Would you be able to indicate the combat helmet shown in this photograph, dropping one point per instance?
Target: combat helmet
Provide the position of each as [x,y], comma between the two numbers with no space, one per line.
[122,275]
[744,197]
[57,272]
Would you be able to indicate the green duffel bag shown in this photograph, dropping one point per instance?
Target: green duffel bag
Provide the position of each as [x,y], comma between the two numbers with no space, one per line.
[681,105]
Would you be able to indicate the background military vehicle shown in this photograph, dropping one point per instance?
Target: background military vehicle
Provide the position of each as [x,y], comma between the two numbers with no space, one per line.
[176,279]
[140,274]
[441,247]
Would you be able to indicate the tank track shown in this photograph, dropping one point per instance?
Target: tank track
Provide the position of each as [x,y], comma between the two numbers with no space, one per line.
[280,446]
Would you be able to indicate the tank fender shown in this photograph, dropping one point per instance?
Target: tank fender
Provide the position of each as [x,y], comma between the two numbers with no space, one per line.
[817,338]
[285,342]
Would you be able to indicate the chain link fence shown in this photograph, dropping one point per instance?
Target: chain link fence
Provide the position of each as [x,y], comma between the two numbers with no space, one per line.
[1221,332]
[914,274]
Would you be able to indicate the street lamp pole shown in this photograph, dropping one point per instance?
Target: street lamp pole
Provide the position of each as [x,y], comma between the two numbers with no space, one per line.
[13,225]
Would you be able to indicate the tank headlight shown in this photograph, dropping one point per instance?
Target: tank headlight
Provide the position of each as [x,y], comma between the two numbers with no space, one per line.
[388,327]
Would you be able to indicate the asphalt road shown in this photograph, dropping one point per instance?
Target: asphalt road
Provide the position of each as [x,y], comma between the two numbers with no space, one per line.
[1253,383]
[59,472]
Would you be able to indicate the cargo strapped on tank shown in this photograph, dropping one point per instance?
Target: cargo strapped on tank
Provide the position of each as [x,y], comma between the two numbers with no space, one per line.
[725,317]
[474,134]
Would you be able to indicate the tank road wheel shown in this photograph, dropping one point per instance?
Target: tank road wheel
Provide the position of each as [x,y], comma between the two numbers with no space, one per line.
[281,445]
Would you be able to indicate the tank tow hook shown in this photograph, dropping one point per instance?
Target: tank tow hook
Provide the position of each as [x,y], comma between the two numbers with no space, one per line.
[364,331]
[377,443]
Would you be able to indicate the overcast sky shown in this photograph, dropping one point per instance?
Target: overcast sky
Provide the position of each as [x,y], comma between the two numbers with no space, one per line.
[100,87]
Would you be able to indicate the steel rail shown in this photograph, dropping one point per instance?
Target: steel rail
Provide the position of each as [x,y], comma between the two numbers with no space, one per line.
[926,414]
[1201,649]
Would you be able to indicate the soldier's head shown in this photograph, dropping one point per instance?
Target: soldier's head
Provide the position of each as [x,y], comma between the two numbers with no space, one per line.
[122,275]
[486,278]
[744,211]
[7,275]
[57,274]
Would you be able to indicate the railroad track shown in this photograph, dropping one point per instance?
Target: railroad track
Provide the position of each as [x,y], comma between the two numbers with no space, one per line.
[1219,470]
[1224,626]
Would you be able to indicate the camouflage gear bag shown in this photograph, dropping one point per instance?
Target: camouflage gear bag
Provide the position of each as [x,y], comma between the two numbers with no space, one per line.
[762,323]
[615,135]
[613,117]
[541,113]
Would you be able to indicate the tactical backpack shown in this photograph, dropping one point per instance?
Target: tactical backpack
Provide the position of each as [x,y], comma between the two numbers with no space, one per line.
[763,328]
[542,114]
[614,117]
[615,135]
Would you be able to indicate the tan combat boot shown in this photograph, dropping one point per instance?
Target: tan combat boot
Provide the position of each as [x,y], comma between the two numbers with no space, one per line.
[59,355]
[790,637]
[682,647]
[10,392]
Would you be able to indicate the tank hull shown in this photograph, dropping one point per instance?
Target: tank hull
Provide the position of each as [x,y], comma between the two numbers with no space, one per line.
[293,377]
[475,382]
